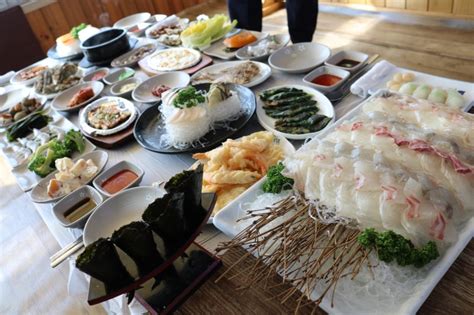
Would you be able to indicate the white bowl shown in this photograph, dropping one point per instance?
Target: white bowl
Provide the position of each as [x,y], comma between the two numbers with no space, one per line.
[348,54]
[88,77]
[113,77]
[120,166]
[242,53]
[124,105]
[299,58]
[72,199]
[39,193]
[177,79]
[61,101]
[121,209]
[115,89]
[343,74]
[132,20]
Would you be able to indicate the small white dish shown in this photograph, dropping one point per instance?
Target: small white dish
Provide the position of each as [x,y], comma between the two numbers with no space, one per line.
[61,101]
[361,58]
[132,20]
[10,99]
[123,208]
[343,74]
[142,93]
[89,76]
[115,90]
[120,166]
[157,18]
[73,199]
[139,29]
[39,194]
[299,58]
[114,76]
[124,105]
[281,39]
[264,73]
[325,108]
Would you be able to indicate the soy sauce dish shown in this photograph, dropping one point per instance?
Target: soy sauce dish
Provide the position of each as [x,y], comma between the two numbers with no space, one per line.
[106,45]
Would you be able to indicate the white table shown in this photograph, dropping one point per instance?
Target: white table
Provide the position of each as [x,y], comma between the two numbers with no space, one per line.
[160,167]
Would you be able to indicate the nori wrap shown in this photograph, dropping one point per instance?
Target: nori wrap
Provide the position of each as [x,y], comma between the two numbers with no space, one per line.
[189,183]
[101,261]
[136,240]
[166,218]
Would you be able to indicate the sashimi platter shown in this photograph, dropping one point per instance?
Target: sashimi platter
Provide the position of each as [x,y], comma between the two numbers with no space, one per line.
[366,217]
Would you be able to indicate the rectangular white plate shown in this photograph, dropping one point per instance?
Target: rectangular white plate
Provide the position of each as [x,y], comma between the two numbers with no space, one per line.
[218,48]
[226,221]
[27,179]
[440,82]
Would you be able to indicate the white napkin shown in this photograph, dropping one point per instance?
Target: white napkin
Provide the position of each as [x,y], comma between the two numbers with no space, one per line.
[373,77]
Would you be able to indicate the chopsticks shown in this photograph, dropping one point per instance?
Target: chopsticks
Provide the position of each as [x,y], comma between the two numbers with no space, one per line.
[66,252]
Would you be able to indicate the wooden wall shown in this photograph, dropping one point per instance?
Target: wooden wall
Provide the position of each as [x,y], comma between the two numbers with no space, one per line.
[59,17]
[461,8]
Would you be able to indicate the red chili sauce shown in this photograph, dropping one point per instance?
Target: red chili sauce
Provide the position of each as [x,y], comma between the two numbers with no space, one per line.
[119,181]
[326,79]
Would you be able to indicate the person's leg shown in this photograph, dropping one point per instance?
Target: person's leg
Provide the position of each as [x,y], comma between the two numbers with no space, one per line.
[248,13]
[302,19]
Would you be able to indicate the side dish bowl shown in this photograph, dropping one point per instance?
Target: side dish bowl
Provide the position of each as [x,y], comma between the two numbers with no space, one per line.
[117,168]
[299,58]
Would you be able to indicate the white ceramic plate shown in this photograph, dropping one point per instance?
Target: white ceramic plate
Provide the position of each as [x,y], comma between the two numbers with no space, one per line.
[61,101]
[325,108]
[45,62]
[242,53]
[39,193]
[218,49]
[114,75]
[226,221]
[123,104]
[168,21]
[111,171]
[142,93]
[132,20]
[173,59]
[42,101]
[288,149]
[440,82]
[119,210]
[265,72]
[27,179]
[88,77]
[299,58]
[8,100]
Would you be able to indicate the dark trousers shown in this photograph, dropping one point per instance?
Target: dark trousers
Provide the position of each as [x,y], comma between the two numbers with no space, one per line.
[302,17]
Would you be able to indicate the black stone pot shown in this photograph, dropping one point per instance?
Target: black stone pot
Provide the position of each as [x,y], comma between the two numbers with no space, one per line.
[106,45]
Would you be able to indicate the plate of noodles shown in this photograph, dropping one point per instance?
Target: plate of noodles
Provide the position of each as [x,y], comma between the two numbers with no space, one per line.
[195,118]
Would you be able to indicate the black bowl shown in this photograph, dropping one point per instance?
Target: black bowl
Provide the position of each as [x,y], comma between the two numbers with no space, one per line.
[106,45]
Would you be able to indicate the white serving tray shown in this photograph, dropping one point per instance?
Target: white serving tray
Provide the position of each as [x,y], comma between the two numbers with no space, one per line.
[440,82]
[27,179]
[226,221]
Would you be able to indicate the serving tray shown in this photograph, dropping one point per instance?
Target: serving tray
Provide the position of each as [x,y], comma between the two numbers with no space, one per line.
[227,221]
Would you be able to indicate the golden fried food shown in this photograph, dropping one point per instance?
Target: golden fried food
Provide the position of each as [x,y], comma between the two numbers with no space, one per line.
[236,165]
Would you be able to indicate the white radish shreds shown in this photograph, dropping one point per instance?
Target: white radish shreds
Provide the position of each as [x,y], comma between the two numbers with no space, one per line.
[382,290]
[228,109]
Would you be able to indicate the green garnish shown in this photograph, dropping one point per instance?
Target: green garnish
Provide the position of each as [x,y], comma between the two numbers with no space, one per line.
[275,181]
[188,97]
[76,29]
[126,74]
[392,246]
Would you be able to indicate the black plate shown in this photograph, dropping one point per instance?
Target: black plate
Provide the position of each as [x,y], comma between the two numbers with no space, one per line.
[52,53]
[149,126]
